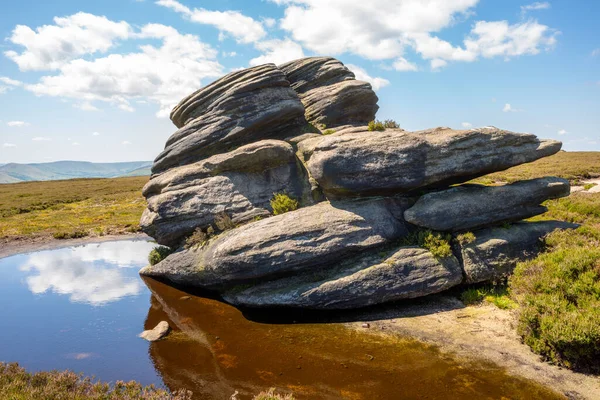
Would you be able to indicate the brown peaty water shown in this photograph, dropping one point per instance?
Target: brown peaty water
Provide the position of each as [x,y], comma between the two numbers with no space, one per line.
[214,351]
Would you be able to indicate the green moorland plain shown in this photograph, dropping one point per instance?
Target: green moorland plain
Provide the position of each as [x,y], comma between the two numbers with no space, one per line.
[556,296]
[71,208]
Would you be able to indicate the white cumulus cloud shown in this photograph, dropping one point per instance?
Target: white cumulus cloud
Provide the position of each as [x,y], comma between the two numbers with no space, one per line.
[509,108]
[277,51]
[161,73]
[562,132]
[467,125]
[362,75]
[51,46]
[242,28]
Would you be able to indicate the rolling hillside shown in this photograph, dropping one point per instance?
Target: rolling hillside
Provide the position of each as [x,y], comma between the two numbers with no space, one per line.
[12,173]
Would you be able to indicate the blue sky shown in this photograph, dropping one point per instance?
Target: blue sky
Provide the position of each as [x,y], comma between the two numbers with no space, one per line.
[95,80]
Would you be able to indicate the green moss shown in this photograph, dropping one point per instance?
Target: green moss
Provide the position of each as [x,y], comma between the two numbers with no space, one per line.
[328,132]
[282,203]
[158,254]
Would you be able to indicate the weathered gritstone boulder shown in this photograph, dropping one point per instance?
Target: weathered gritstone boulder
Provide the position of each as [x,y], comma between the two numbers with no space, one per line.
[495,252]
[473,206]
[240,183]
[301,240]
[359,163]
[244,138]
[240,108]
[330,93]
[410,272]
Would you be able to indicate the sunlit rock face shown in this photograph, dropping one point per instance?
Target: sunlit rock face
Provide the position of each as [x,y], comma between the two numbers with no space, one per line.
[365,197]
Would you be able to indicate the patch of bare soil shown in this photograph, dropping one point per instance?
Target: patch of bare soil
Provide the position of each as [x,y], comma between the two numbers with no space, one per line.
[10,246]
[476,332]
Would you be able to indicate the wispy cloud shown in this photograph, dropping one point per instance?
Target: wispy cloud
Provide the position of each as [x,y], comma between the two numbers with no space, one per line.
[17,124]
[9,145]
[467,125]
[538,5]
[562,132]
[41,139]
[509,108]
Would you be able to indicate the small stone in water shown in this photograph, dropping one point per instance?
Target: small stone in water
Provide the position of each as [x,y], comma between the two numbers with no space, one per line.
[160,331]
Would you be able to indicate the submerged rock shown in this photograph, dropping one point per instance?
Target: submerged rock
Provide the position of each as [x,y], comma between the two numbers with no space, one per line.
[305,239]
[358,163]
[495,252]
[240,183]
[160,331]
[410,272]
[330,93]
[240,108]
[473,206]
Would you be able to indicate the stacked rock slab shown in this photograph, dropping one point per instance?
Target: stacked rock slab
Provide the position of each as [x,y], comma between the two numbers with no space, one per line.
[330,93]
[243,138]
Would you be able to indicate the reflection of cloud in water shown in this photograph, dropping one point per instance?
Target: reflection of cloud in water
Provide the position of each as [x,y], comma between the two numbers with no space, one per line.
[89,274]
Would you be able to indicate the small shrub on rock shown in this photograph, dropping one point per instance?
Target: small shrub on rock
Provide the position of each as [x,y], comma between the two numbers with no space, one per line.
[466,238]
[223,221]
[376,126]
[70,235]
[390,124]
[282,203]
[436,242]
[199,237]
[158,254]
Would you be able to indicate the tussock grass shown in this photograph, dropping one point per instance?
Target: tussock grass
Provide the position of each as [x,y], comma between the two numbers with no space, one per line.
[436,242]
[494,294]
[71,208]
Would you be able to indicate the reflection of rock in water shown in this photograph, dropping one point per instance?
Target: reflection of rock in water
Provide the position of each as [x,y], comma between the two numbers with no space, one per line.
[214,351]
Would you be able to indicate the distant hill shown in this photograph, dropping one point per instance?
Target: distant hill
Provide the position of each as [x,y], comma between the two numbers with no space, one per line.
[13,172]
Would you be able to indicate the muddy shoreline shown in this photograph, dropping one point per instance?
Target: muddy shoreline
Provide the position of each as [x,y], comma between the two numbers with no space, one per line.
[26,244]
[474,333]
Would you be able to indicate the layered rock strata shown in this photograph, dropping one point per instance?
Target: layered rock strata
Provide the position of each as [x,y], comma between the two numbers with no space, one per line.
[248,136]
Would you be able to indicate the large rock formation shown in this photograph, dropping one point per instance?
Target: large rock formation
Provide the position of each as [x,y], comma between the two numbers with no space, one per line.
[355,162]
[464,208]
[244,139]
[239,183]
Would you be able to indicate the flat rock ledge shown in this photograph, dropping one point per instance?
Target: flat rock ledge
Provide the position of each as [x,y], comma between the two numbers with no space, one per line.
[300,129]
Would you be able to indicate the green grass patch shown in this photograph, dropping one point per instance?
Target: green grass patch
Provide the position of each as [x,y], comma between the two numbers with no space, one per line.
[64,207]
[494,294]
[559,291]
[588,186]
[272,395]
[573,166]
[328,131]
[282,203]
[436,242]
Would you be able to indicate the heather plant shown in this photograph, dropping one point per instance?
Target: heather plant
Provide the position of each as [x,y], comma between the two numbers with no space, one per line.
[282,203]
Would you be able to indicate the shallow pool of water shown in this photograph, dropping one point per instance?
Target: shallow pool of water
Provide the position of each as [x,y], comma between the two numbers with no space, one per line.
[82,308]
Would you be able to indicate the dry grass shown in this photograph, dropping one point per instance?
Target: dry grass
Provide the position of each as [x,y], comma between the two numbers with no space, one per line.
[573,166]
[74,207]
